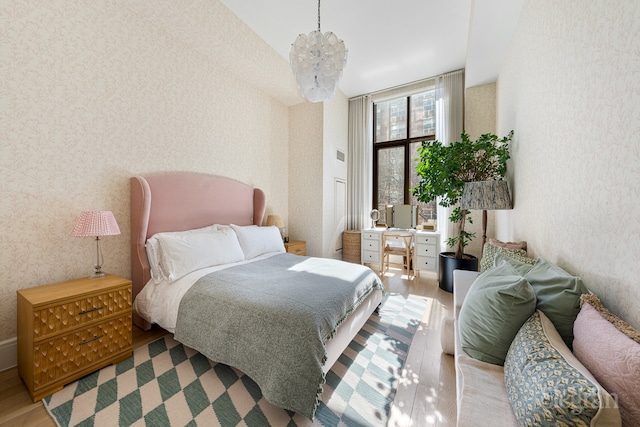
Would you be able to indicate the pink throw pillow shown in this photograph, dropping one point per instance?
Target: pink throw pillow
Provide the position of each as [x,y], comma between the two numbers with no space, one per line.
[611,356]
[508,245]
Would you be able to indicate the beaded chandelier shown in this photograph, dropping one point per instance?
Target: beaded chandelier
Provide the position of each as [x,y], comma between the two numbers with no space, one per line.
[317,61]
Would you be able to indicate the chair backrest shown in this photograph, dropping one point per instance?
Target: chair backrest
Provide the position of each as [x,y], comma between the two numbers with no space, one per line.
[397,240]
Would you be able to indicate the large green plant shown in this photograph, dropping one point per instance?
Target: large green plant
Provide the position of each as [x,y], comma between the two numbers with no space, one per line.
[444,169]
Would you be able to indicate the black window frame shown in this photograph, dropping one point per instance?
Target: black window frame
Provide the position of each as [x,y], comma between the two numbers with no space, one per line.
[405,142]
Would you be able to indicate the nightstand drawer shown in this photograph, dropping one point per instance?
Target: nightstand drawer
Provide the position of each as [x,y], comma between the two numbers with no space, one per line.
[298,250]
[296,247]
[56,359]
[67,315]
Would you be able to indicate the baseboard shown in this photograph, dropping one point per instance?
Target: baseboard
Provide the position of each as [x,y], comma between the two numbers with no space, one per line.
[8,353]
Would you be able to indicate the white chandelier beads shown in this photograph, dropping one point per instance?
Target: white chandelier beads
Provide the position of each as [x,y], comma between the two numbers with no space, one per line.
[317,61]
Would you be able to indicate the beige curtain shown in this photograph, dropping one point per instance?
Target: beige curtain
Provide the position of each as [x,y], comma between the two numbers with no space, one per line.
[449,126]
[359,163]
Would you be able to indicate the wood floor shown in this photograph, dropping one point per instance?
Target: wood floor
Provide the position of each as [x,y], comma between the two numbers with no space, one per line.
[426,391]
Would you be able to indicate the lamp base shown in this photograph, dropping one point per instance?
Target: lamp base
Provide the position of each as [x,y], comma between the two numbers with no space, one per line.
[97,274]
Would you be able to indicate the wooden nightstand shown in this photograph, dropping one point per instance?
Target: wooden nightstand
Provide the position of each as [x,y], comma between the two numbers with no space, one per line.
[70,329]
[296,247]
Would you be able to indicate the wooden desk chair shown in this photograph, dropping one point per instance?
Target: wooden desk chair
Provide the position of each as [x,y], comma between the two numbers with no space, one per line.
[401,244]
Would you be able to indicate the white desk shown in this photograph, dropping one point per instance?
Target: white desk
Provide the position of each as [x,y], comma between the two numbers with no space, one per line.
[426,246]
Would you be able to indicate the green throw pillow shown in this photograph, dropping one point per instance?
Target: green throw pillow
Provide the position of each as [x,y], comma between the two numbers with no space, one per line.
[558,294]
[498,303]
[489,252]
[548,386]
[521,265]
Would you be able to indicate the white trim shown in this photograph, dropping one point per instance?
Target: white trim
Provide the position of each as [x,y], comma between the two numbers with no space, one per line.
[8,353]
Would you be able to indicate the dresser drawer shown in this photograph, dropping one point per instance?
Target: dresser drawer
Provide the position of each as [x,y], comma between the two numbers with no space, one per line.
[427,263]
[426,250]
[367,235]
[65,355]
[66,315]
[370,245]
[426,239]
[371,257]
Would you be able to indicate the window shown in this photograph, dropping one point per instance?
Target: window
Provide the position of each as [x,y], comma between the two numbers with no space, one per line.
[400,125]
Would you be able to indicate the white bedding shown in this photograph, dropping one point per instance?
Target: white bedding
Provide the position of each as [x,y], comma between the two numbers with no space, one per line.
[159,302]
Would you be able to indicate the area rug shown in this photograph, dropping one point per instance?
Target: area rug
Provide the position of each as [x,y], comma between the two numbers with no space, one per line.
[168,384]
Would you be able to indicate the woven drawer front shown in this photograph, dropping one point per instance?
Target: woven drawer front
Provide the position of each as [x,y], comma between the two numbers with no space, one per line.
[61,317]
[55,359]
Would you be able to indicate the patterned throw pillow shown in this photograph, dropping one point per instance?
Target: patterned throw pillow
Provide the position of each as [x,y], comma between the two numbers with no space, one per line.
[548,386]
[489,252]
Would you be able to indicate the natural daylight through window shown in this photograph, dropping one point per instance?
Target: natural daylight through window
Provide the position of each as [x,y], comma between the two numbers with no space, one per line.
[399,127]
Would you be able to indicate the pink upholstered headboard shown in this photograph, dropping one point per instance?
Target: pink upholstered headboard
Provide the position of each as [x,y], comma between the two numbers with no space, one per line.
[183,201]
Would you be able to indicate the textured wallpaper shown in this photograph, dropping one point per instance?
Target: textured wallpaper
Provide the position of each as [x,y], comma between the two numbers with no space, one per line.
[316,131]
[92,93]
[480,118]
[570,88]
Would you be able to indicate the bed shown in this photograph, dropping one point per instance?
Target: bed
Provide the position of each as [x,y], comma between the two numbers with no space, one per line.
[176,203]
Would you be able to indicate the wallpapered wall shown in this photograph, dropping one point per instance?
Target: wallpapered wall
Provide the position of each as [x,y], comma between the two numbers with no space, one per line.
[480,118]
[570,89]
[305,168]
[93,94]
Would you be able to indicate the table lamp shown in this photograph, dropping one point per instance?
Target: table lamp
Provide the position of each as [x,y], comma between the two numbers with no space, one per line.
[96,224]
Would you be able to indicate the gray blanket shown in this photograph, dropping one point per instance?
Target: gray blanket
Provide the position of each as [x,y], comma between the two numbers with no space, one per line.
[271,319]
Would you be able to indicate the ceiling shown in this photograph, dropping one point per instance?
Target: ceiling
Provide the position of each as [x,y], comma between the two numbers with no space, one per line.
[393,43]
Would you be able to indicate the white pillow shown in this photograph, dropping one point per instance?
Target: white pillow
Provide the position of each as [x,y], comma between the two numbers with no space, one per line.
[153,250]
[256,241]
[182,254]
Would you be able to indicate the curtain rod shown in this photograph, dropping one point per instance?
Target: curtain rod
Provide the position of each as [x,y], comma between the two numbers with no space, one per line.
[406,85]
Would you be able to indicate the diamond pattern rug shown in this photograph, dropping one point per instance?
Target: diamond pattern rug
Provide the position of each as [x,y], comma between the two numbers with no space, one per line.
[168,384]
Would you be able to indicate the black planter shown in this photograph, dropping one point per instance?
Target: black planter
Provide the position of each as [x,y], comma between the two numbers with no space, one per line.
[448,263]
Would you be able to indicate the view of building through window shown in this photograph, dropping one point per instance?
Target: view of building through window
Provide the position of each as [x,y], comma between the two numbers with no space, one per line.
[400,126]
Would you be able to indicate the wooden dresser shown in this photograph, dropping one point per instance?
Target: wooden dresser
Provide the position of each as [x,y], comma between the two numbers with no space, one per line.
[70,329]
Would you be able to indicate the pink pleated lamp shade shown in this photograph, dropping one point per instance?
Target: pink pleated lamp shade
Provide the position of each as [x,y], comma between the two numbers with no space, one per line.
[96,223]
